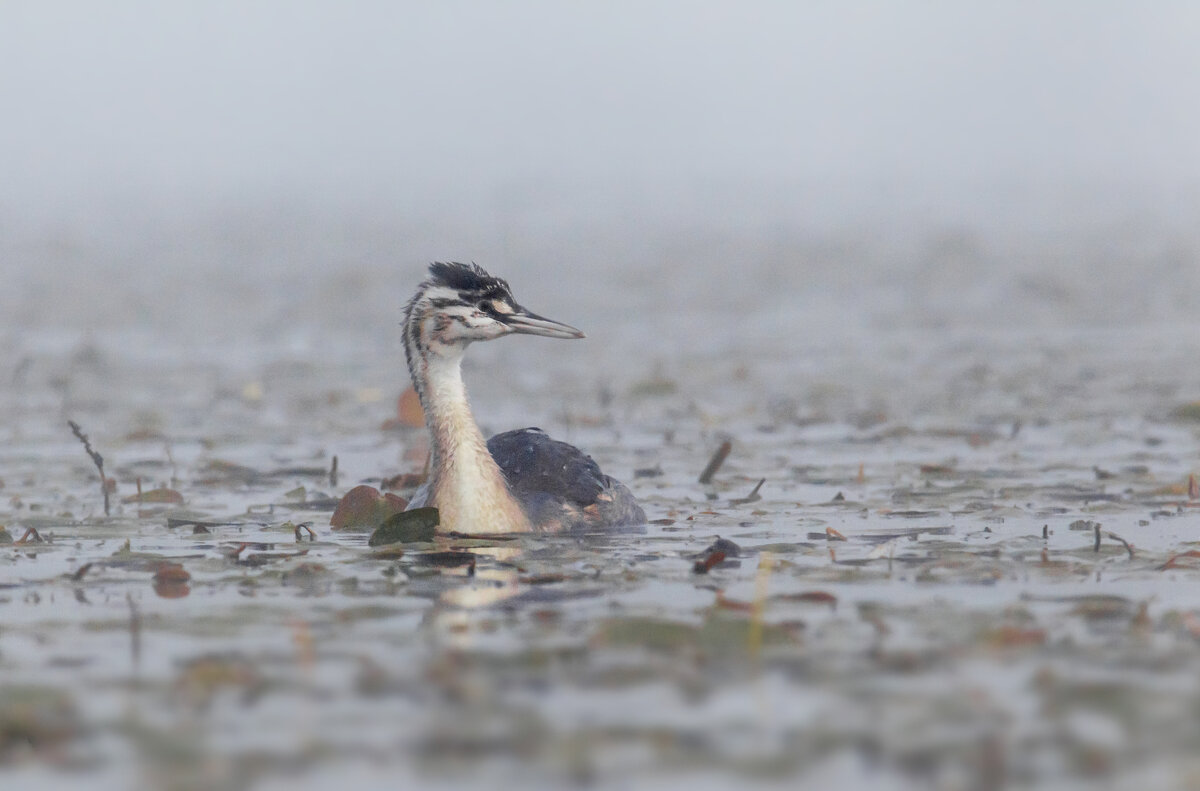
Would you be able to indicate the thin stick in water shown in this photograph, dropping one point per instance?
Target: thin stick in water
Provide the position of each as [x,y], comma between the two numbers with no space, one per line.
[1123,542]
[97,459]
[716,461]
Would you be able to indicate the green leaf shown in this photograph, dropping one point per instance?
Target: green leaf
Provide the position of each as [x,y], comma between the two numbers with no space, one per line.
[419,524]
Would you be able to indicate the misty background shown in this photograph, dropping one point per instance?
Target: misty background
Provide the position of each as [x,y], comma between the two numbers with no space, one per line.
[698,172]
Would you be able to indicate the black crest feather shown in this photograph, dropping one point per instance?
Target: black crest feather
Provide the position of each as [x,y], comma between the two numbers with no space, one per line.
[464,277]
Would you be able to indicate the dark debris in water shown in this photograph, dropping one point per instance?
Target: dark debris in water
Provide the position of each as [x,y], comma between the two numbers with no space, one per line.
[716,555]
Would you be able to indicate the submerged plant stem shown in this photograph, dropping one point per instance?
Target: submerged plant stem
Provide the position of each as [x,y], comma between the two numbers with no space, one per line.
[97,459]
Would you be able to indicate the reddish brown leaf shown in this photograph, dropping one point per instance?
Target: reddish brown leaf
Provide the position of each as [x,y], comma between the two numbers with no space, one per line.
[733,604]
[364,508]
[171,572]
[409,413]
[812,597]
[408,409]
[1016,636]
[710,559]
[171,581]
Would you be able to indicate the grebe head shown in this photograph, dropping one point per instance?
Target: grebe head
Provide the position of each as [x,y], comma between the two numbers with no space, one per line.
[461,303]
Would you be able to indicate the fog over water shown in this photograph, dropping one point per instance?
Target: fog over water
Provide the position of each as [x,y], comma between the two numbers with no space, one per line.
[910,163]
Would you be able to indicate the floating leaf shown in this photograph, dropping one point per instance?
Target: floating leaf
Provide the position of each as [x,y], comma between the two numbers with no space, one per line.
[218,471]
[171,581]
[446,559]
[710,559]
[937,470]
[656,385]
[419,524]
[303,574]
[41,719]
[159,495]
[202,678]
[409,413]
[1189,411]
[717,634]
[171,572]
[715,555]
[1014,636]
[408,409]
[543,579]
[726,546]
[365,508]
[810,597]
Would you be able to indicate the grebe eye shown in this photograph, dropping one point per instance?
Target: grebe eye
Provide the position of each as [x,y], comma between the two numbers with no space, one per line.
[485,305]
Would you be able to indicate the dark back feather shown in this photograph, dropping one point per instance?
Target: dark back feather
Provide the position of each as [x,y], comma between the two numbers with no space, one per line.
[534,464]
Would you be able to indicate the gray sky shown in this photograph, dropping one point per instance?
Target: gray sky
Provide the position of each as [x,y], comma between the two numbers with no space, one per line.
[699,104]
[892,162]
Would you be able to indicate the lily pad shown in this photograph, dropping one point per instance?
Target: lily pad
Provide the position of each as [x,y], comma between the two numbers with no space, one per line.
[365,508]
[418,524]
[160,495]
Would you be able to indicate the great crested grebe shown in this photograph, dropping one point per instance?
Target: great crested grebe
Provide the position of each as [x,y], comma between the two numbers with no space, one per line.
[520,480]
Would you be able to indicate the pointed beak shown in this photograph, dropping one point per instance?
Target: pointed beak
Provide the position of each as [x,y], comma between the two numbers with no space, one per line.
[528,323]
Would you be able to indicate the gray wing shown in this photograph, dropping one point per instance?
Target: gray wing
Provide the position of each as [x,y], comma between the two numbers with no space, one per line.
[533,465]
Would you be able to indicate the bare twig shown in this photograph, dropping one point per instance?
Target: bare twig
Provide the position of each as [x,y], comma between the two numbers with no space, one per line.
[97,459]
[1123,542]
[31,536]
[716,461]
[754,496]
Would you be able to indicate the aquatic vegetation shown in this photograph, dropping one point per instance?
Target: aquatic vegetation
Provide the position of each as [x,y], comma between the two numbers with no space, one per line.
[997,587]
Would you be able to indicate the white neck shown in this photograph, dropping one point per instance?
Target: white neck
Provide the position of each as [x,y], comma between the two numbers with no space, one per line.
[466,485]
